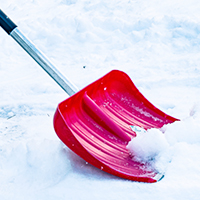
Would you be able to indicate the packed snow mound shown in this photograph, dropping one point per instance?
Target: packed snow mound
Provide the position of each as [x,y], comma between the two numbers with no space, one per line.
[147,145]
[157,147]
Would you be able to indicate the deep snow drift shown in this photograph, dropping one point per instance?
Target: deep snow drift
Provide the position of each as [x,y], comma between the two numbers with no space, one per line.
[157,43]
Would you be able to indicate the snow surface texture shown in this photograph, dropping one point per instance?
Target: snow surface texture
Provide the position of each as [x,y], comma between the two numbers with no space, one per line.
[157,43]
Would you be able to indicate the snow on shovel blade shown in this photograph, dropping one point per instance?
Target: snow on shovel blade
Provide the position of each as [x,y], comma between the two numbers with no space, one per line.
[96,123]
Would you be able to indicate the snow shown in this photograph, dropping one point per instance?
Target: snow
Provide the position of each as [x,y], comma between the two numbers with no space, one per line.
[155,42]
[147,145]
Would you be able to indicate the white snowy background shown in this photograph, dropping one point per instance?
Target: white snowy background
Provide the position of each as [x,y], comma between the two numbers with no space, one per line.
[157,43]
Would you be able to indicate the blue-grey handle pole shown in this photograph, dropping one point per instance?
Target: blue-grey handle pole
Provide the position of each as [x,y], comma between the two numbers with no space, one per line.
[36,54]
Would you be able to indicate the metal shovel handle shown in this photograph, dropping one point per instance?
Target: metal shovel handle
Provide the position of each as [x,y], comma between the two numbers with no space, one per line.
[12,30]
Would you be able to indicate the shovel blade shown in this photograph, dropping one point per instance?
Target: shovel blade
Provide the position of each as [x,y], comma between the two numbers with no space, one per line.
[95,123]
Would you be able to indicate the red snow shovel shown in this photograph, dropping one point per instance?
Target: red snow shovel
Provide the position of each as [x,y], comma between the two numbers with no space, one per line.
[96,122]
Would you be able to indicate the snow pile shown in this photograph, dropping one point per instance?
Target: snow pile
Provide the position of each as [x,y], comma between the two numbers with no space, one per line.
[148,145]
[157,146]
